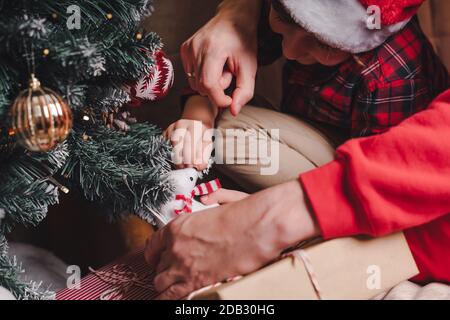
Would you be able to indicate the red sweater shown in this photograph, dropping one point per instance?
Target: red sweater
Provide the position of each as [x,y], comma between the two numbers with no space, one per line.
[399,180]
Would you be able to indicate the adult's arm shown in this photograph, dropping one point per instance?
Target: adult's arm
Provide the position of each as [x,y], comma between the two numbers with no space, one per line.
[387,183]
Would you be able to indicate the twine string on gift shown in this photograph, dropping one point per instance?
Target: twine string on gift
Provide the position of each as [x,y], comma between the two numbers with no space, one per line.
[122,278]
[212,286]
[302,256]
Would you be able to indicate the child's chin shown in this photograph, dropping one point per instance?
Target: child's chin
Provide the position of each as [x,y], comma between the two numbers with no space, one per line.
[306,60]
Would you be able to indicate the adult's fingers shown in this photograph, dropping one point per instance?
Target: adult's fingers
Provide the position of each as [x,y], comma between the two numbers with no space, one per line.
[154,247]
[176,292]
[223,196]
[166,279]
[226,79]
[245,86]
[165,262]
[210,78]
[187,58]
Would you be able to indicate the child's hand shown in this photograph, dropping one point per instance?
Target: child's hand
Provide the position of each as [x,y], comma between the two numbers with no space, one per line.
[223,196]
[193,143]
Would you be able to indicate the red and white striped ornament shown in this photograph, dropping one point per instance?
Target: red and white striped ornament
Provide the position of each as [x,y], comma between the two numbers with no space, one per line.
[156,84]
[206,188]
[199,190]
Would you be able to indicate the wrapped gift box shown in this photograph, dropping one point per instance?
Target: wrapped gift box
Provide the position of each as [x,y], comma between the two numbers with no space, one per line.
[348,268]
[128,278]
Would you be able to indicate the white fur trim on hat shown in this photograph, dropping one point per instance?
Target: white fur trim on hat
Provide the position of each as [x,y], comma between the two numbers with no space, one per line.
[341,24]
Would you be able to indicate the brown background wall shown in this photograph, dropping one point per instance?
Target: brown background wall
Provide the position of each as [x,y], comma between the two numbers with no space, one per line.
[435,19]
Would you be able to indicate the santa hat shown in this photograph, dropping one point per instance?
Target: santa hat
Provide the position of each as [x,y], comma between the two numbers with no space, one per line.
[343,24]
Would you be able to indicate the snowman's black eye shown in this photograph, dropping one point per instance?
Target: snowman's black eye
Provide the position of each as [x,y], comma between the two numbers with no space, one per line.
[192,179]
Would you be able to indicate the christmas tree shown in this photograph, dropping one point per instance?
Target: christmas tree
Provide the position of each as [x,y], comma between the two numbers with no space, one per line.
[65,72]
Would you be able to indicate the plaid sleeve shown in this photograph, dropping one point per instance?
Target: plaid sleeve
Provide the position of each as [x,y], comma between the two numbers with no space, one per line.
[377,110]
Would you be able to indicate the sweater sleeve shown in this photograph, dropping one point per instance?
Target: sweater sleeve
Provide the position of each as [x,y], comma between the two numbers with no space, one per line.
[386,183]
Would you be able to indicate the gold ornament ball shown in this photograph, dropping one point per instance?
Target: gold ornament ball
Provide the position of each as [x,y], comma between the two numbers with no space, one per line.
[41,119]
[139,36]
[109,16]
[46,52]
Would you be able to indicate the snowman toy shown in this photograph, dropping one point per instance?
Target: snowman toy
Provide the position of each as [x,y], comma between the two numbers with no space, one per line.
[185,189]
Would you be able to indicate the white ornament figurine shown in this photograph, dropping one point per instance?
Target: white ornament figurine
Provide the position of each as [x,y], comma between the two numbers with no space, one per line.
[184,182]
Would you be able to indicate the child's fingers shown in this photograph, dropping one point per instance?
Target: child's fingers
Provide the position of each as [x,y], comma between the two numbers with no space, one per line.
[177,137]
[203,150]
[177,155]
[203,156]
[188,151]
[200,164]
[223,196]
[168,132]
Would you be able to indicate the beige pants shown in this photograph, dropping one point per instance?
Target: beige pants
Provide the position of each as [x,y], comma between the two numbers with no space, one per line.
[286,146]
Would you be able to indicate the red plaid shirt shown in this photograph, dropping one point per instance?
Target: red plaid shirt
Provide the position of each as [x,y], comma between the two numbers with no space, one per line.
[386,86]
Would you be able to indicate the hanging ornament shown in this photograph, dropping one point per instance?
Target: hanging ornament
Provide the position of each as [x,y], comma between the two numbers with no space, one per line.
[40,118]
[156,84]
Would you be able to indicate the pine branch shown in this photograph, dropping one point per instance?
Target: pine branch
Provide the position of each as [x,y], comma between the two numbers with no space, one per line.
[25,192]
[107,98]
[89,67]
[124,170]
[10,278]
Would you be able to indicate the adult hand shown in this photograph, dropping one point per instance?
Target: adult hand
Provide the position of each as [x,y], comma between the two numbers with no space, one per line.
[223,196]
[226,46]
[204,248]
